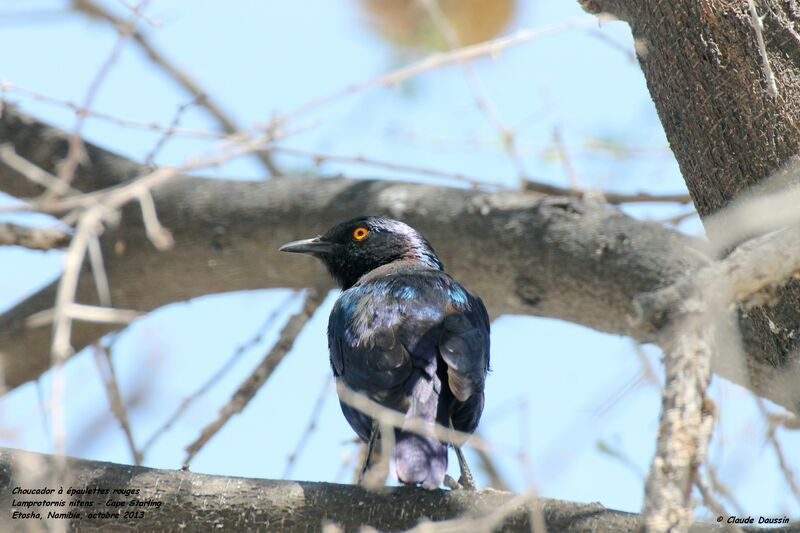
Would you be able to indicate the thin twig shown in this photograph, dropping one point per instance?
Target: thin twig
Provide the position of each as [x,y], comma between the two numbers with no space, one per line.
[712,503]
[160,236]
[566,160]
[181,77]
[492,48]
[723,490]
[33,238]
[85,313]
[316,411]
[758,26]
[788,474]
[6,86]
[248,389]
[111,198]
[479,93]
[320,158]
[99,272]
[613,198]
[220,373]
[677,219]
[76,151]
[105,367]
[32,172]
[532,186]
[149,160]
[137,10]
[489,467]
[374,410]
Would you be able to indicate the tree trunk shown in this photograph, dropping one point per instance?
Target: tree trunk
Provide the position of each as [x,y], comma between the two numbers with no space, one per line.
[728,130]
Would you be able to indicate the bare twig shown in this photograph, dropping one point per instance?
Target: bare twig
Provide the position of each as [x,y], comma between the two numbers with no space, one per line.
[99,272]
[532,186]
[491,48]
[105,367]
[76,152]
[758,26]
[489,467]
[788,474]
[723,490]
[86,313]
[168,133]
[566,160]
[376,476]
[33,238]
[33,172]
[712,503]
[137,10]
[181,77]
[158,234]
[310,428]
[613,198]
[506,135]
[677,219]
[628,52]
[397,419]
[219,374]
[321,158]
[6,86]
[261,374]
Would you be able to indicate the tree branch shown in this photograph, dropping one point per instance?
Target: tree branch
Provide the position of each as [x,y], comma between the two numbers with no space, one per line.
[33,238]
[524,253]
[198,502]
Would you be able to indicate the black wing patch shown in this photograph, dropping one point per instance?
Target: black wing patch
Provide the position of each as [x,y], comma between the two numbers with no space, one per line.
[464,346]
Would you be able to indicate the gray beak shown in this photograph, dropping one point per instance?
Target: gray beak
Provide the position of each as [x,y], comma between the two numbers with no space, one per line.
[308,246]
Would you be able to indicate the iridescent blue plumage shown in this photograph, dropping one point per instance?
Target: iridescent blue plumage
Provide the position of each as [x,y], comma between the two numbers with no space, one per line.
[406,334]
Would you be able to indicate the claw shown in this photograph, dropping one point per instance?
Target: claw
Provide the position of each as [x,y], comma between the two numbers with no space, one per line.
[466,481]
[451,483]
[373,438]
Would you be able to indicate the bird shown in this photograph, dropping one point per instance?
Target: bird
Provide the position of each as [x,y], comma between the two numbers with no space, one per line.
[407,335]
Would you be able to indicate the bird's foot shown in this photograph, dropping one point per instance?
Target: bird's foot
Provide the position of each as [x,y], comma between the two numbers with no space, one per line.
[466,481]
[368,456]
[451,483]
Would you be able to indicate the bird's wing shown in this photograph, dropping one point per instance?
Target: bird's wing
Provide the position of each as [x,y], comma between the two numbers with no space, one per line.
[365,347]
[366,354]
[464,346]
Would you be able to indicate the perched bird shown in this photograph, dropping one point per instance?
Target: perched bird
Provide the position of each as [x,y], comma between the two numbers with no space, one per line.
[407,335]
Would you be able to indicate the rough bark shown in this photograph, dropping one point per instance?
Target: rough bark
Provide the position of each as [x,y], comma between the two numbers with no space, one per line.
[215,503]
[709,81]
[523,253]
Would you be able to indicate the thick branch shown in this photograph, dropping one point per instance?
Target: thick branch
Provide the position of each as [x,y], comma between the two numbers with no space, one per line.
[197,502]
[694,309]
[523,253]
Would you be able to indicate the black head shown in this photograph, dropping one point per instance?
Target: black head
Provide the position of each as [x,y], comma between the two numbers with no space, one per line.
[353,248]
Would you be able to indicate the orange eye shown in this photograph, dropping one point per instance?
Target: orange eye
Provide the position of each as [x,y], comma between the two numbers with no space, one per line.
[360,233]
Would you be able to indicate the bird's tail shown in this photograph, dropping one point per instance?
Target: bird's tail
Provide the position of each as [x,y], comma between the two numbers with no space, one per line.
[421,459]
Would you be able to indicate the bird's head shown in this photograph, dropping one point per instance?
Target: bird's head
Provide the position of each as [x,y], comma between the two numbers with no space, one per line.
[353,248]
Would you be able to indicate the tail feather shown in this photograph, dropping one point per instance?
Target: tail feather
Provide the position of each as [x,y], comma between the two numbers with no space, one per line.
[421,459]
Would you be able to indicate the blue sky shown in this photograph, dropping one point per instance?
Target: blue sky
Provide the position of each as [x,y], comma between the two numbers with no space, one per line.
[558,394]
